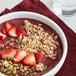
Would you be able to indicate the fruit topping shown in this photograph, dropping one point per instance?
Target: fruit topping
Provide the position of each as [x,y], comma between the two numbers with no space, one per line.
[21,31]
[12,32]
[2,36]
[4,31]
[4,51]
[19,55]
[29,59]
[9,53]
[1,41]
[7,27]
[39,57]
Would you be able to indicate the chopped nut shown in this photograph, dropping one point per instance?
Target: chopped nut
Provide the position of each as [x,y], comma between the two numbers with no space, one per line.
[45,67]
[1,68]
[8,72]
[15,65]
[25,68]
[14,72]
[21,73]
[5,63]
[10,66]
[39,67]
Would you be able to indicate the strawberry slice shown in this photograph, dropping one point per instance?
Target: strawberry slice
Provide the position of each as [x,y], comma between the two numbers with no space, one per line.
[21,31]
[19,56]
[1,41]
[10,53]
[29,59]
[7,27]
[2,36]
[40,58]
[12,32]
[4,31]
[4,51]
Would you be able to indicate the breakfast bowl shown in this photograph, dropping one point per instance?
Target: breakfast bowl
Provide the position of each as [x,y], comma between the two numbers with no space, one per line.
[36,18]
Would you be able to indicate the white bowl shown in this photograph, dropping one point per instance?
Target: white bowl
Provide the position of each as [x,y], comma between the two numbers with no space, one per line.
[47,21]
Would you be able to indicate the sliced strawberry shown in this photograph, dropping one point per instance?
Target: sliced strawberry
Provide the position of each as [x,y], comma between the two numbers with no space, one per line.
[19,56]
[9,53]
[39,57]
[21,31]
[29,59]
[4,30]
[12,32]
[2,36]
[7,26]
[4,51]
[1,41]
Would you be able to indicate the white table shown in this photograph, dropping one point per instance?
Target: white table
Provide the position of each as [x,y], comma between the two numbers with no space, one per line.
[70,21]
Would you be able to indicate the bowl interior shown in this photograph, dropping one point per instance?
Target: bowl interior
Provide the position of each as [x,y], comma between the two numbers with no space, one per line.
[50,23]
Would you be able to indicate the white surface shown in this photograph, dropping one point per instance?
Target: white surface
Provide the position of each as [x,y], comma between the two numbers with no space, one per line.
[70,21]
[50,23]
[67,2]
[8,4]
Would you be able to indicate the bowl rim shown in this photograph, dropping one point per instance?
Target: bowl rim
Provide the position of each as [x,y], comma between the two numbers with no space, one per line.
[60,63]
